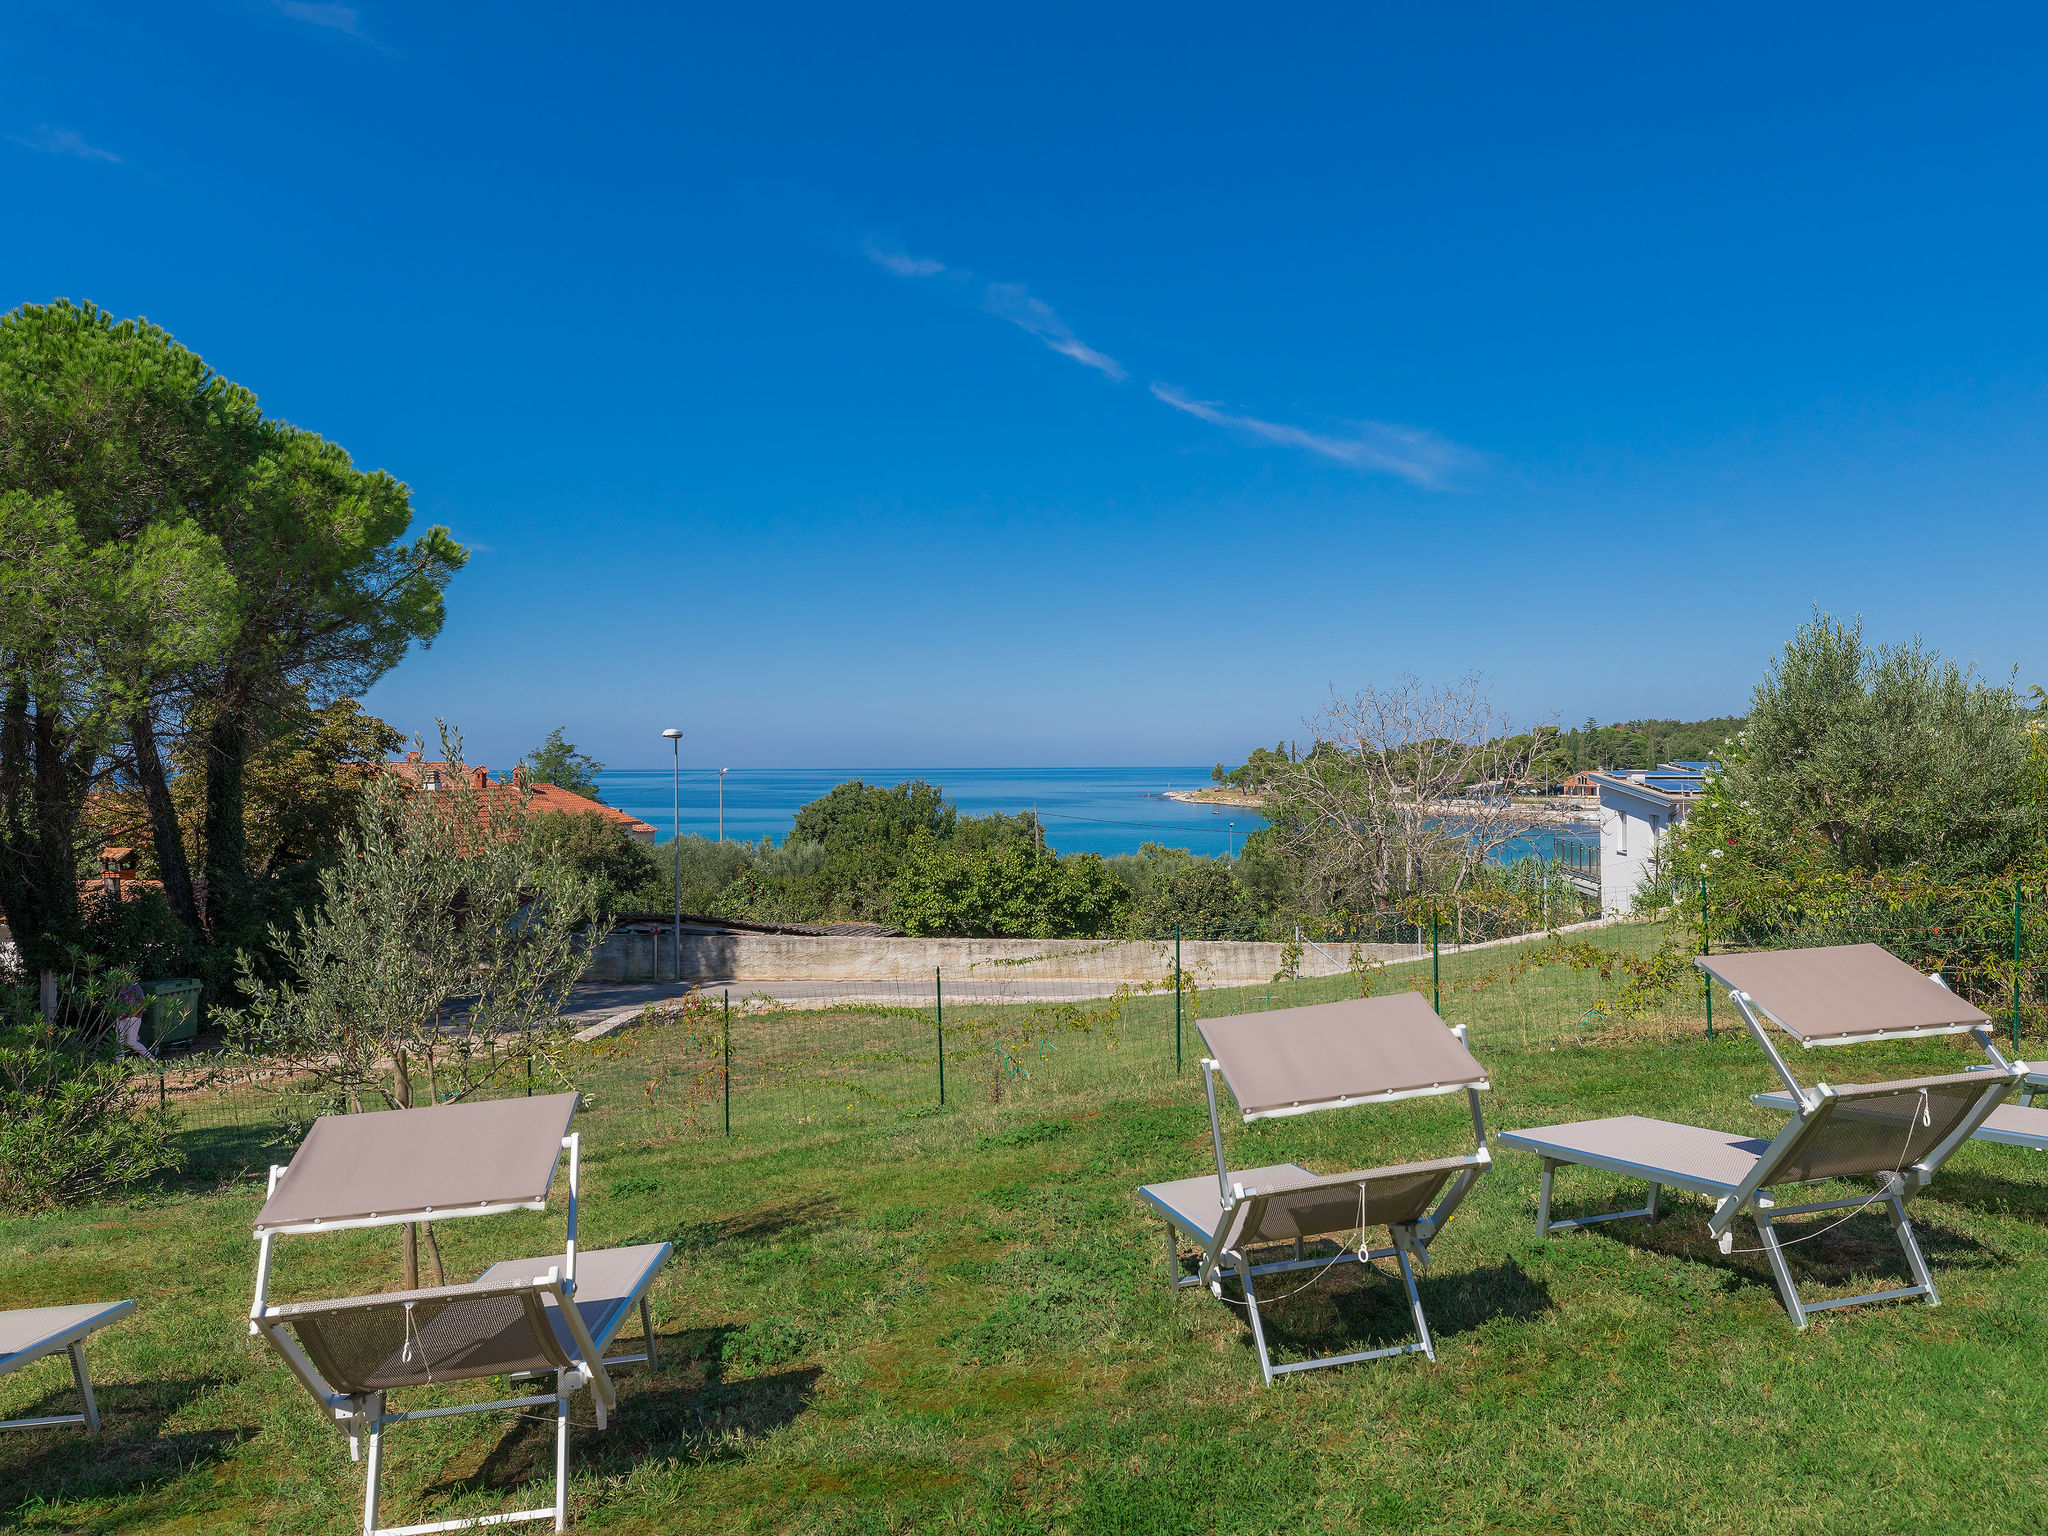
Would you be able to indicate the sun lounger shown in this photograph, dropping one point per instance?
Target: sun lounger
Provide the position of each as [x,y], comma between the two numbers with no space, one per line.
[1299,1061]
[521,1318]
[30,1333]
[1894,1134]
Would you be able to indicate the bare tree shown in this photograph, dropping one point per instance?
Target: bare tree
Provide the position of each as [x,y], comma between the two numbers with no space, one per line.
[1406,791]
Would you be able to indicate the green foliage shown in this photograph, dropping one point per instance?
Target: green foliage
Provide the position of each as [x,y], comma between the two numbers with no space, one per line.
[1171,888]
[142,935]
[601,850]
[1862,768]
[448,902]
[71,1131]
[176,564]
[557,762]
[1645,743]
[1254,770]
[1008,889]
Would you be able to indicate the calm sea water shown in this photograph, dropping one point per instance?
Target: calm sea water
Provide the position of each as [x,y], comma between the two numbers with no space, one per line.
[1085,810]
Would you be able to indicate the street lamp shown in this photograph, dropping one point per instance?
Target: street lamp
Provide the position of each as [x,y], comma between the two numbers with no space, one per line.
[721,802]
[675,738]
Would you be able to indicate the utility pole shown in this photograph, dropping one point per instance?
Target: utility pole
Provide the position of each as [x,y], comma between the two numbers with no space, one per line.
[721,802]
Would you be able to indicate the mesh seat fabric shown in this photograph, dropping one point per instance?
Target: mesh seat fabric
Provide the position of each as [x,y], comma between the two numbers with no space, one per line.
[1881,1128]
[376,1344]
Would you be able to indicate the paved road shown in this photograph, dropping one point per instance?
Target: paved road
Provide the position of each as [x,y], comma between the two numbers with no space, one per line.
[596,1000]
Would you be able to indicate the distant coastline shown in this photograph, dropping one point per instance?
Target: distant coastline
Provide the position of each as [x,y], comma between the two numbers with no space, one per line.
[1214,797]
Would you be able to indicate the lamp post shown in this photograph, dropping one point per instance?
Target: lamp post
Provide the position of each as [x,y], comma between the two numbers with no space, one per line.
[721,802]
[675,738]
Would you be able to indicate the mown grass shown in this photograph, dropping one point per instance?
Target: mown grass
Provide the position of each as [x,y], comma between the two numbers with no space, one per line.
[957,1321]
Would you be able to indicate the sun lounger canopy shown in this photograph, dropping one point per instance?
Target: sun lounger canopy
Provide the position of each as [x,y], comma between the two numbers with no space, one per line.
[407,1164]
[1844,993]
[1293,1060]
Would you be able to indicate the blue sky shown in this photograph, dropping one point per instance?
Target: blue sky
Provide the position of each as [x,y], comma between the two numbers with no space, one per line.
[887,387]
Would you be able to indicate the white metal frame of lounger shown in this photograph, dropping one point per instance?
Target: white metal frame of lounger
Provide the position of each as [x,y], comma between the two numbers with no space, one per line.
[1410,1239]
[81,1373]
[1810,1106]
[364,1415]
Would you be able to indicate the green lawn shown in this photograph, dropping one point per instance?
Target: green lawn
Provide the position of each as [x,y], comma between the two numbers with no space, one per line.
[920,1319]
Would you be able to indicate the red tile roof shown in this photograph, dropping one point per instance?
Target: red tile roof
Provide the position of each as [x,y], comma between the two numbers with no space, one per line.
[542,799]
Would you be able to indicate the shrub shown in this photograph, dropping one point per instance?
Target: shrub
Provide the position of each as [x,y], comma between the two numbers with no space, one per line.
[71,1131]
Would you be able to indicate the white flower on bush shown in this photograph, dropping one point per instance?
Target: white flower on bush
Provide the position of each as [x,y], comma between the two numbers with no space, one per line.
[1718,852]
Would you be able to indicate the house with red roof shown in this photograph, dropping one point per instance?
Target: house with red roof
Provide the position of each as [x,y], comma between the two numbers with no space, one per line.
[541,799]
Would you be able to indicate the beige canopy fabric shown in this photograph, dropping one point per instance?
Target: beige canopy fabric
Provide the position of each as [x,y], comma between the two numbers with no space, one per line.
[403,1162]
[1292,1059]
[1842,992]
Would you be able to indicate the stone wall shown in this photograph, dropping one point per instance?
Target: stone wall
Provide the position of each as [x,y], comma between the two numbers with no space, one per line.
[643,954]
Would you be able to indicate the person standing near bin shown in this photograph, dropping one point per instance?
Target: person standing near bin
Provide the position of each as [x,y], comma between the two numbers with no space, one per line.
[128,1026]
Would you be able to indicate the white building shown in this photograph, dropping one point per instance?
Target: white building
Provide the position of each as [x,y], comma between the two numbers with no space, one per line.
[1638,806]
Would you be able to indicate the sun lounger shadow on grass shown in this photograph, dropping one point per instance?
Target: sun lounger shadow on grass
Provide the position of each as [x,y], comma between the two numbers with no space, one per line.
[1861,1249]
[133,1451]
[1351,1309]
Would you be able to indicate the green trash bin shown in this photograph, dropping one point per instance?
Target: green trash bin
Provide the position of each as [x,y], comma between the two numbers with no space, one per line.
[170,1011]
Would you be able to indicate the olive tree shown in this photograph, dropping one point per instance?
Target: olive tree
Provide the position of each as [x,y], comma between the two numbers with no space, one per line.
[437,960]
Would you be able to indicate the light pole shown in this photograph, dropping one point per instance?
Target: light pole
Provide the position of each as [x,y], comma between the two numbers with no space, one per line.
[721,802]
[675,738]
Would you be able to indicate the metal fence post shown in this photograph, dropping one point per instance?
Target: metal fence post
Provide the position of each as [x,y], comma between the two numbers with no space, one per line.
[727,1074]
[2016,967]
[1706,948]
[1176,999]
[939,1012]
[1436,965]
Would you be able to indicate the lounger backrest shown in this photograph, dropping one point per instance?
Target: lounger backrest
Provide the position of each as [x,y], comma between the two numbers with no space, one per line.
[1882,1127]
[1342,1202]
[410,1338]
[1841,993]
[1289,1061]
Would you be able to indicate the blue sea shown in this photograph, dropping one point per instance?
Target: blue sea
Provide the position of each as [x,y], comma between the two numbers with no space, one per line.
[1085,810]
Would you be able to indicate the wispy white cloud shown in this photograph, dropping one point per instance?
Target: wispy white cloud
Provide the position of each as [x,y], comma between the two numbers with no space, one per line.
[1008,301]
[1012,303]
[342,18]
[1417,456]
[900,262]
[62,141]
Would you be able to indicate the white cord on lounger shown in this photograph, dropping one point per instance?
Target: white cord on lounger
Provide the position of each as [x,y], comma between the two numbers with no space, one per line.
[1316,1278]
[1925,1118]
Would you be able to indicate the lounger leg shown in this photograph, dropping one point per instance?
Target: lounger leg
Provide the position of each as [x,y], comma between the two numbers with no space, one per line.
[1656,1193]
[1914,1259]
[84,1380]
[1543,1197]
[1251,1305]
[1172,1258]
[1402,1242]
[376,1467]
[647,1328]
[561,1457]
[1780,1270]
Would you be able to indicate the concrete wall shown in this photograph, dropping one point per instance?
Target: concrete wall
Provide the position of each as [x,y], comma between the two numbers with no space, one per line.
[642,955]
